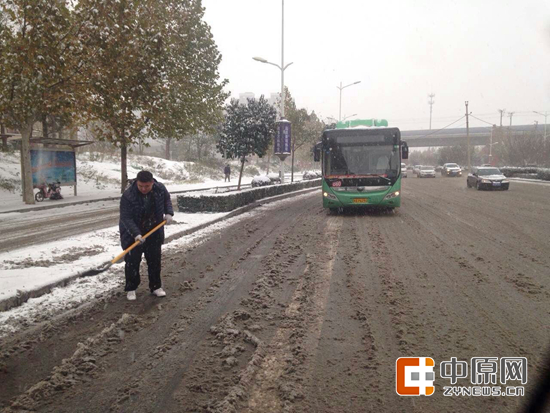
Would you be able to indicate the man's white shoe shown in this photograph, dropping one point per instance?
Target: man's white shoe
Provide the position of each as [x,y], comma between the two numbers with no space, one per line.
[131,295]
[159,292]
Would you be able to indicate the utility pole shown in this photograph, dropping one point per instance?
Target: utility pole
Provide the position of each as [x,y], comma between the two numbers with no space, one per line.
[511,114]
[468,137]
[431,102]
[545,114]
[502,112]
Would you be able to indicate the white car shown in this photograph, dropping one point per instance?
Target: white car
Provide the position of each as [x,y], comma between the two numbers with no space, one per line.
[274,177]
[426,172]
[309,175]
[403,170]
[416,168]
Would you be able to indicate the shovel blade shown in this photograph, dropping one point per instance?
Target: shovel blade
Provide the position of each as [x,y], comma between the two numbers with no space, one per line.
[98,270]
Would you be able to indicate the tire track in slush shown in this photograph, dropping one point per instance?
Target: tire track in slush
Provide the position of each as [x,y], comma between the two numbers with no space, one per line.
[307,307]
[355,371]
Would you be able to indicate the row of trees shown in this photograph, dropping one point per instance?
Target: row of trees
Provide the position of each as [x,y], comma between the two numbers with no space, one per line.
[520,149]
[125,68]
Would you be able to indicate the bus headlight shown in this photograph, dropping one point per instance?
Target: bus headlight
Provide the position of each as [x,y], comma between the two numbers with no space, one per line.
[330,196]
[392,195]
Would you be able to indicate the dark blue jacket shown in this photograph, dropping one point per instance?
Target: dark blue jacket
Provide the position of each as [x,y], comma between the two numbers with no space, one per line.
[131,212]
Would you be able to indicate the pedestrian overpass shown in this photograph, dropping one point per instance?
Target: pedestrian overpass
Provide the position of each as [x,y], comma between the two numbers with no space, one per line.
[457,136]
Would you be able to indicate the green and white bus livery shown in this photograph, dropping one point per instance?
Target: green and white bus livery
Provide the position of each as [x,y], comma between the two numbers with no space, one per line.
[361,167]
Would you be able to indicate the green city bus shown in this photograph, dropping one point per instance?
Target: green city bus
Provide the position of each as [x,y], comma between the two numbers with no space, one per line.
[361,167]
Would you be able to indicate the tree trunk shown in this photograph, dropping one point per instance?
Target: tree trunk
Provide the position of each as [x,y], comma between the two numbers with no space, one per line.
[268,161]
[241,174]
[167,148]
[45,126]
[123,164]
[26,171]
[4,138]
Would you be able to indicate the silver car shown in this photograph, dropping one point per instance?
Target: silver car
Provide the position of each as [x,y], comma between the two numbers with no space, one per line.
[426,172]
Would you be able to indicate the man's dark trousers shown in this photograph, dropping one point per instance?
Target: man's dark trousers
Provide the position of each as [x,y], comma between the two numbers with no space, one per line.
[152,251]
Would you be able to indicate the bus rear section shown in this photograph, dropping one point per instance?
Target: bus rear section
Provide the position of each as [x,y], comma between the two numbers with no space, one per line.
[361,167]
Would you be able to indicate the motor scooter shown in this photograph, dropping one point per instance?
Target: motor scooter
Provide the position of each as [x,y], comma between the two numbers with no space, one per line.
[51,191]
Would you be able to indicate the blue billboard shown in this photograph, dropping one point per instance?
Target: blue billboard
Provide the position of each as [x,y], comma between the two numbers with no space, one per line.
[282,144]
[53,166]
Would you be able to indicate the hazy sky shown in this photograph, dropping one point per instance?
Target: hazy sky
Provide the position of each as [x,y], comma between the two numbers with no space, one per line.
[492,53]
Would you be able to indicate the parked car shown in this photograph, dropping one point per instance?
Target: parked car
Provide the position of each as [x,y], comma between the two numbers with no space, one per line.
[274,177]
[260,180]
[403,170]
[487,178]
[416,168]
[426,172]
[309,175]
[451,169]
[438,168]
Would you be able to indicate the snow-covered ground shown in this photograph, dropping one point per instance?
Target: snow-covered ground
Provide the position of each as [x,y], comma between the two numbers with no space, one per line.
[98,179]
[30,268]
[39,265]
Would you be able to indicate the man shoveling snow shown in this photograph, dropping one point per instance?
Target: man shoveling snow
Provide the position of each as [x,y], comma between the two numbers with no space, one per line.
[144,205]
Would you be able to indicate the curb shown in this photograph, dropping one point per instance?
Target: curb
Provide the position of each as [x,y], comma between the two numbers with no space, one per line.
[23,296]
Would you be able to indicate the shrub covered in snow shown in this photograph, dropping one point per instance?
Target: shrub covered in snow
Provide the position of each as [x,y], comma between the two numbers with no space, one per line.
[526,172]
[260,180]
[544,173]
[229,202]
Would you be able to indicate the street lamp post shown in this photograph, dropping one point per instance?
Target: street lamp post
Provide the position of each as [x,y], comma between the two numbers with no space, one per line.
[545,114]
[282,68]
[491,146]
[347,117]
[491,152]
[343,87]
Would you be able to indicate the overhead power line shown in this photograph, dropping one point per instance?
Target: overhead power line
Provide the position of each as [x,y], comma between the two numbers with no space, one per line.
[481,120]
[439,130]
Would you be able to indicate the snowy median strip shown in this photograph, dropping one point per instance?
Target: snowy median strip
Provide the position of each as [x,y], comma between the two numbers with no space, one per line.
[41,267]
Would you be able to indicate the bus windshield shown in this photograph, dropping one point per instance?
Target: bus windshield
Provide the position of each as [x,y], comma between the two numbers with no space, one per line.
[363,160]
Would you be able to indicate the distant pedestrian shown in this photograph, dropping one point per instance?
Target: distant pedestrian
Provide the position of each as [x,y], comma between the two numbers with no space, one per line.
[144,205]
[227,172]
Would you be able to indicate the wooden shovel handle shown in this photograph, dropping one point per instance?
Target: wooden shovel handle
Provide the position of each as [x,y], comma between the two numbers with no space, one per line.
[135,244]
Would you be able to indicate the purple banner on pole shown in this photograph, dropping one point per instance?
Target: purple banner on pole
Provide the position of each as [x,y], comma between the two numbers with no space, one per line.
[282,144]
